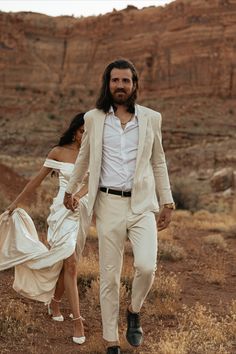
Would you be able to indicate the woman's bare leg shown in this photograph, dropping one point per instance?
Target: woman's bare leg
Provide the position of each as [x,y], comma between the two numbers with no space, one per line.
[70,282]
[59,291]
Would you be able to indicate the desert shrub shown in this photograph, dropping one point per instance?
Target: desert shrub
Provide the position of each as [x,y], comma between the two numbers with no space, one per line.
[170,251]
[20,88]
[186,194]
[215,276]
[52,116]
[216,240]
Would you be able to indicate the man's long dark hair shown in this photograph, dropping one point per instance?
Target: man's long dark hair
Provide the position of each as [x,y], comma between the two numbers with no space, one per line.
[68,136]
[105,101]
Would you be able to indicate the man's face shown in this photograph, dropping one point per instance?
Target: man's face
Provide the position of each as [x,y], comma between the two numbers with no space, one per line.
[121,85]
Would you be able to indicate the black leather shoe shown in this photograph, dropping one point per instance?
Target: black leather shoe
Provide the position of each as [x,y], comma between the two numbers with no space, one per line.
[114,350]
[134,334]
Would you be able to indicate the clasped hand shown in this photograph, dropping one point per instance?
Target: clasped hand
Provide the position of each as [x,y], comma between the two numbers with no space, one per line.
[71,202]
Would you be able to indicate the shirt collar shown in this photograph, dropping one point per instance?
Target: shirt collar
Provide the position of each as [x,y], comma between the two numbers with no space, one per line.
[111,111]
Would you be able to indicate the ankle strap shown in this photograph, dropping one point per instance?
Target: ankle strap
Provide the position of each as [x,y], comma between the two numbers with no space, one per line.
[78,318]
[53,298]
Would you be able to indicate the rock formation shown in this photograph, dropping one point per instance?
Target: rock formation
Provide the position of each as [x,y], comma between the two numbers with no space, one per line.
[222,180]
[185,54]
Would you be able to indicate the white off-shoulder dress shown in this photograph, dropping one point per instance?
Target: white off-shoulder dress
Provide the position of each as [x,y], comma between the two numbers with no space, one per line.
[36,267]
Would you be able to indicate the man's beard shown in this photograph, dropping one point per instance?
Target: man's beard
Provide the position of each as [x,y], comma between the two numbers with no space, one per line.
[123,99]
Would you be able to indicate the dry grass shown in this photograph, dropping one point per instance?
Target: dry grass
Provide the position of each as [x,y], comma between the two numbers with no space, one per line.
[88,270]
[204,220]
[231,321]
[92,294]
[216,240]
[214,271]
[170,251]
[200,332]
[203,215]
[15,322]
[180,215]
[164,295]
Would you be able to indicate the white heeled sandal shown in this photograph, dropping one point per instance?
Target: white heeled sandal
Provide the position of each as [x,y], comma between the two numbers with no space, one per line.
[78,340]
[55,318]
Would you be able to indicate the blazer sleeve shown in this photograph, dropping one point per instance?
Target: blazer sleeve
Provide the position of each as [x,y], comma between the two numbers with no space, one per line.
[81,164]
[159,166]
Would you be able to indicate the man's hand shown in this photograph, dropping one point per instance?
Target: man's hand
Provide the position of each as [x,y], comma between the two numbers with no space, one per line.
[70,202]
[164,218]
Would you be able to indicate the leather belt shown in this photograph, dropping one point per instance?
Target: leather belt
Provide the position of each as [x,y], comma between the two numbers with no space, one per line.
[116,192]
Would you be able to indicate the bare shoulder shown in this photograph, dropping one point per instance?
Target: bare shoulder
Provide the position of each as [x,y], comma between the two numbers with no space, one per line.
[55,153]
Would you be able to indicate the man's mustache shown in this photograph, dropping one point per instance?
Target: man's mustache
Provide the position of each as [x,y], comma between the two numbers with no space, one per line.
[120,90]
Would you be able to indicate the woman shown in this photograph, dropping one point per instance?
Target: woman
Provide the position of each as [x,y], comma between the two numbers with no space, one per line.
[44,271]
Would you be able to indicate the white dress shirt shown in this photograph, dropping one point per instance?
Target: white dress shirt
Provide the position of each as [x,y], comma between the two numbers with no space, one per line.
[119,152]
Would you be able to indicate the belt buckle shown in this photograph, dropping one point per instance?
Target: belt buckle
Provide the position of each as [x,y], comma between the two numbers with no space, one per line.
[122,193]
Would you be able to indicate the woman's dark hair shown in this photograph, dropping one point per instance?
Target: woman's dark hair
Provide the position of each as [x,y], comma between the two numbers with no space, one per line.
[68,136]
[105,101]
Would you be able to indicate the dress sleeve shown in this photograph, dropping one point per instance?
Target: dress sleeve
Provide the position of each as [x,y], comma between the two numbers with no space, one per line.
[56,165]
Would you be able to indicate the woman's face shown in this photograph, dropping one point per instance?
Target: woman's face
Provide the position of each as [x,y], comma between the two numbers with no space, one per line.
[78,134]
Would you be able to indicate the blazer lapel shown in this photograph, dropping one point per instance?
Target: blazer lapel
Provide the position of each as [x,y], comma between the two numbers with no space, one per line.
[98,138]
[142,124]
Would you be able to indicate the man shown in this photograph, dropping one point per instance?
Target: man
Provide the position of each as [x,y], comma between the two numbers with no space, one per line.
[123,152]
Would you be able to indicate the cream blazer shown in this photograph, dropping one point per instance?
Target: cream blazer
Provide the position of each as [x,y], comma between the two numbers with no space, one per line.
[151,186]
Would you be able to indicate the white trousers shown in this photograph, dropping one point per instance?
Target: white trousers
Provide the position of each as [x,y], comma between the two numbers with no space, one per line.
[115,222]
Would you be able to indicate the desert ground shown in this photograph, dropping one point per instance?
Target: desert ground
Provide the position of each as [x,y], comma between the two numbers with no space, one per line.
[191,308]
